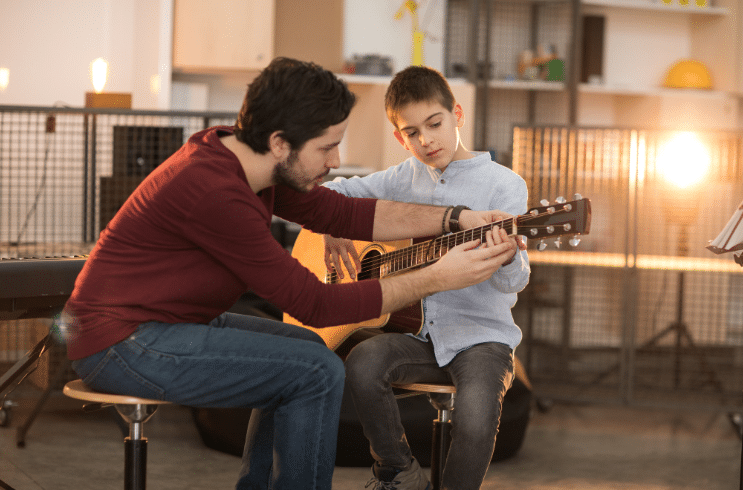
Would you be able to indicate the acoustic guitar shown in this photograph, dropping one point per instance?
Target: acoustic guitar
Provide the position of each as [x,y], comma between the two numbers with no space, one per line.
[384,259]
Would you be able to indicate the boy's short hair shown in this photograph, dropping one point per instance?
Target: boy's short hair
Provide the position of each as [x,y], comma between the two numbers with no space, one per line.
[297,98]
[417,84]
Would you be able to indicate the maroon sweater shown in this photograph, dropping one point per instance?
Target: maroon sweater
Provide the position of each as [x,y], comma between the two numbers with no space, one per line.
[193,237]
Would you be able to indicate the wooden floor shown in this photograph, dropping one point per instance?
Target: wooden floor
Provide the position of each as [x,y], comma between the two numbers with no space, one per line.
[568,447]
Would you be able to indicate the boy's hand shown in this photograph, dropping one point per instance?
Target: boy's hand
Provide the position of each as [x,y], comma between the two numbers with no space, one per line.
[472,219]
[341,249]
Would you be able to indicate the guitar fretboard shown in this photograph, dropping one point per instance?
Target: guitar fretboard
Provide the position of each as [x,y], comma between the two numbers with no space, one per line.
[427,253]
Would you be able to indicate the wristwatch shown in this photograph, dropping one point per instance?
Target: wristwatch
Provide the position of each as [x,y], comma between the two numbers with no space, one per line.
[454,218]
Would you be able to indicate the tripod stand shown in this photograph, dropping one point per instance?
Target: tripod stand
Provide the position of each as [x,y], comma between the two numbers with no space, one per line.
[681,331]
[679,328]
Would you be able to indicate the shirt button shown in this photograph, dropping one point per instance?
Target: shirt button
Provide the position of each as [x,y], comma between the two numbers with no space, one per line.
[443,181]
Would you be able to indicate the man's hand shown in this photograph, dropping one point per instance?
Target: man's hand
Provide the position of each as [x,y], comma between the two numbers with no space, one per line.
[341,250]
[473,262]
[462,266]
[473,219]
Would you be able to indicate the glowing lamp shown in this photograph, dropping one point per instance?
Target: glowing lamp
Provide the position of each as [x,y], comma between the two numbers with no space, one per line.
[683,161]
[99,98]
[98,74]
[4,78]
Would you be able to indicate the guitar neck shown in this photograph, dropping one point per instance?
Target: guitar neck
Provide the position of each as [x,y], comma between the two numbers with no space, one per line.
[426,253]
[561,218]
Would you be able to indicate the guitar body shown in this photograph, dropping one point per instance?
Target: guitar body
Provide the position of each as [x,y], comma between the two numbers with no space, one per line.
[309,250]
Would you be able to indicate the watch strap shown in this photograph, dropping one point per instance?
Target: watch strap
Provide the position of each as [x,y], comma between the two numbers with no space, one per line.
[454,218]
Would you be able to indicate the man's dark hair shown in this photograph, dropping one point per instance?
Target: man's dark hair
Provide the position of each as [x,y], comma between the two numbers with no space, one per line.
[417,84]
[299,99]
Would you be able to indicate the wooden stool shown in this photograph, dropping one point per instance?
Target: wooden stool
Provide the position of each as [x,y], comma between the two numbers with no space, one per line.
[442,399]
[135,411]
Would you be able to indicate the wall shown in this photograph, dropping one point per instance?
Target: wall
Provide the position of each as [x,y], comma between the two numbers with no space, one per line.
[48,47]
[367,28]
[371,28]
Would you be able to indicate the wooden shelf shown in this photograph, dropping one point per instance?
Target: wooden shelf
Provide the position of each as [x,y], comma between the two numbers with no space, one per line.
[589,88]
[659,6]
[537,85]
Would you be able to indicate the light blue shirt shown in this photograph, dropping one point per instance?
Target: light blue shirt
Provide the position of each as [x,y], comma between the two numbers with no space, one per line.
[457,320]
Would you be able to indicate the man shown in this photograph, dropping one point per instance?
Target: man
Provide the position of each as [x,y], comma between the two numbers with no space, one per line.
[147,316]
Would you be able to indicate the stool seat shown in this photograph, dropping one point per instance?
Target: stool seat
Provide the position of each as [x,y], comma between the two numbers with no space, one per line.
[81,391]
[426,387]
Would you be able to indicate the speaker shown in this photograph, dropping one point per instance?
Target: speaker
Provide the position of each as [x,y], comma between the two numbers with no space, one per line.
[138,150]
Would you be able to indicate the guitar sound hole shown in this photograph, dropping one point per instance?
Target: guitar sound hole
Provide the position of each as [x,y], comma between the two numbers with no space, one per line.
[370,265]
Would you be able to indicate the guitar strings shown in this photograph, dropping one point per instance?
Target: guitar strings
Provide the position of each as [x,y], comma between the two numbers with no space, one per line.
[409,257]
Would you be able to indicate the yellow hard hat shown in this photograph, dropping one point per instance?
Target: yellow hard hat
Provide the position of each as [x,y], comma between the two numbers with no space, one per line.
[688,74]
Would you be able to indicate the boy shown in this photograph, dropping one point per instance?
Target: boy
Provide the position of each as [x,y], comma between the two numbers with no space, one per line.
[468,335]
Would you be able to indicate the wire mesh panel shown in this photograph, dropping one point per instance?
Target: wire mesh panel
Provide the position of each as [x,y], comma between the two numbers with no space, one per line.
[65,172]
[641,310]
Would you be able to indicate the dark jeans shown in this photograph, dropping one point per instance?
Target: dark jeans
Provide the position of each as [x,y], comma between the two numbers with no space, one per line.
[286,373]
[481,374]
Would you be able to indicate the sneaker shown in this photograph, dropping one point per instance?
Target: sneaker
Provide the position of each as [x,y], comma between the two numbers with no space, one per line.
[386,478]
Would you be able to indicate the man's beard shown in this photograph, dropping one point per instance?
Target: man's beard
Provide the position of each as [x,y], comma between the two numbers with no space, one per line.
[286,173]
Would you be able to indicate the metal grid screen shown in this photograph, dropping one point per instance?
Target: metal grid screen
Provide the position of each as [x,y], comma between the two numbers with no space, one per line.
[640,311]
[65,172]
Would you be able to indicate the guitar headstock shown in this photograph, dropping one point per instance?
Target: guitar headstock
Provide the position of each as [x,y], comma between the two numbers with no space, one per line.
[555,220]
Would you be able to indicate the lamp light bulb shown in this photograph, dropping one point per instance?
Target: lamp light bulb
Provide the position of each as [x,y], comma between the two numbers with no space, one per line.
[684,160]
[98,74]
[4,78]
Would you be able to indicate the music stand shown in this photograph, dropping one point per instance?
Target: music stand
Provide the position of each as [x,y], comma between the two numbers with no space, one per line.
[730,239]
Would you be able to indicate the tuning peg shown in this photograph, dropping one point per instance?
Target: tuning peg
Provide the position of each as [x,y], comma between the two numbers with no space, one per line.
[577,196]
[550,229]
[541,245]
[561,200]
[558,242]
[574,241]
[544,202]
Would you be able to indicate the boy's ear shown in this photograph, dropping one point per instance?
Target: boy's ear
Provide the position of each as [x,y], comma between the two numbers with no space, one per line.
[399,138]
[278,146]
[459,112]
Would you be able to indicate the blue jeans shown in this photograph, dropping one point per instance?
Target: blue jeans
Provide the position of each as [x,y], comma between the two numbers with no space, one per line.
[481,374]
[285,373]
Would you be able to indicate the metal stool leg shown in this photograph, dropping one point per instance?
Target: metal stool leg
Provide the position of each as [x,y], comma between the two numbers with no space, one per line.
[135,446]
[444,403]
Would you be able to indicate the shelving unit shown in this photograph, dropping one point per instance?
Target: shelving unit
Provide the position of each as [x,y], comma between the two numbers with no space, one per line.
[642,39]
[484,42]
